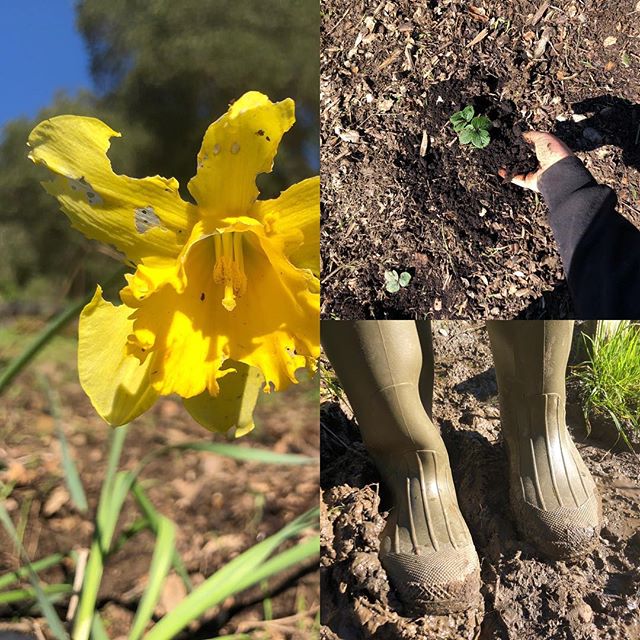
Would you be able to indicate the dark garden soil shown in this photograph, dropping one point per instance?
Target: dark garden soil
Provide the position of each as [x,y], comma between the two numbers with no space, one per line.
[400,192]
[524,597]
[221,506]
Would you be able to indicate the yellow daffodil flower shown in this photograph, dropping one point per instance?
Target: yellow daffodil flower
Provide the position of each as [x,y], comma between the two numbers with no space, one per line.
[224,300]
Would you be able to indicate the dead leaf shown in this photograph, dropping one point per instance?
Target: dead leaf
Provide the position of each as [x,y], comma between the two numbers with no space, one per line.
[348,135]
[56,500]
[610,41]
[187,491]
[16,473]
[173,592]
[541,46]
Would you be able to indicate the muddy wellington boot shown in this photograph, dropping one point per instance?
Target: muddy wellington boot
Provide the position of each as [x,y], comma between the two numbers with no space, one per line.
[553,496]
[426,548]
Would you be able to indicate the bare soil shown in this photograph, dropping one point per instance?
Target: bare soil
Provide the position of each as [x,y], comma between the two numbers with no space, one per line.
[400,192]
[221,506]
[524,597]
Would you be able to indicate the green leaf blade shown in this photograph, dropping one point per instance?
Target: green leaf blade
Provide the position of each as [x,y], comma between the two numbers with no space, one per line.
[160,563]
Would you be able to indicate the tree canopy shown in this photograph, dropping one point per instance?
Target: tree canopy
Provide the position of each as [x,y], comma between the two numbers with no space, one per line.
[163,71]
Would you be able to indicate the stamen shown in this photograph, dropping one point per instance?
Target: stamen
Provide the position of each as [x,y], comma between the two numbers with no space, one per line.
[229,267]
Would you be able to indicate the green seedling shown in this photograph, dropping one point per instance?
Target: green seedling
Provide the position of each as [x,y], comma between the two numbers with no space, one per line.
[471,128]
[393,281]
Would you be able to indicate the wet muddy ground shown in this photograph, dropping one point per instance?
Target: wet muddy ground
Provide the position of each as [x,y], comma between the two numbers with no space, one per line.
[524,597]
[400,192]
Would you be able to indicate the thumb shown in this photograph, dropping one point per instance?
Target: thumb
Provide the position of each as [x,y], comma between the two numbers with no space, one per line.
[524,180]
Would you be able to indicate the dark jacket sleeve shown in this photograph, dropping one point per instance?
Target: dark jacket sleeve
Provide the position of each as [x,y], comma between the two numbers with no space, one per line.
[600,249]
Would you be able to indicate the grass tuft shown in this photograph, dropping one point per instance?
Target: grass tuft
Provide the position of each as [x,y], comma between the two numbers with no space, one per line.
[610,378]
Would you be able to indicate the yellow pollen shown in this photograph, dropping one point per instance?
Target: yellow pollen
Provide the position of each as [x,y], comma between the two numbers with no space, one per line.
[229,267]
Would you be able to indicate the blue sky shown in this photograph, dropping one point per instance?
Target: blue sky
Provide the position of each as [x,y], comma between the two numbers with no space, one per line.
[40,53]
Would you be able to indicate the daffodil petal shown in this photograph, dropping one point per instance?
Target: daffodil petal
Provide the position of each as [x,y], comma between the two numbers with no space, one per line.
[236,148]
[233,407]
[116,383]
[273,325]
[283,317]
[295,217]
[140,217]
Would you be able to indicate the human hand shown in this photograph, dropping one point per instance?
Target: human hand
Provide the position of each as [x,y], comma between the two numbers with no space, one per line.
[549,150]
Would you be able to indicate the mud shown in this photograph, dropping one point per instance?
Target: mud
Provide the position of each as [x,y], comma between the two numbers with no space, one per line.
[524,596]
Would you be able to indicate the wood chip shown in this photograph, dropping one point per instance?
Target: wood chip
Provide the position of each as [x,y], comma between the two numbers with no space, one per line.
[481,36]
[424,145]
[478,13]
[390,60]
[539,13]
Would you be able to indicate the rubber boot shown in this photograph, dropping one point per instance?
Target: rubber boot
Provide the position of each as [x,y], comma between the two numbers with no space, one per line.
[426,548]
[553,496]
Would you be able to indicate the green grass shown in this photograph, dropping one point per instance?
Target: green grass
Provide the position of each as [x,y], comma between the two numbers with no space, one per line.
[610,378]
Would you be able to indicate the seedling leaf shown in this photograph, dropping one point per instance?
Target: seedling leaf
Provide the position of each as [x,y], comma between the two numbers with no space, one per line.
[467,135]
[391,281]
[461,119]
[470,129]
[483,139]
[404,279]
[481,122]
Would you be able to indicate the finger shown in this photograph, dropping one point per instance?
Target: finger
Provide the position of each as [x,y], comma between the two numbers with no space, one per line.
[526,181]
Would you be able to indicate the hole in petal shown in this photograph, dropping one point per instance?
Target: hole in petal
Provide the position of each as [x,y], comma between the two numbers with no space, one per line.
[235,147]
[145,218]
[216,149]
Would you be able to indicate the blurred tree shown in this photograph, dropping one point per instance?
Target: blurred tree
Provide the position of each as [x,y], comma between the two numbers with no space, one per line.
[173,67]
[164,71]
